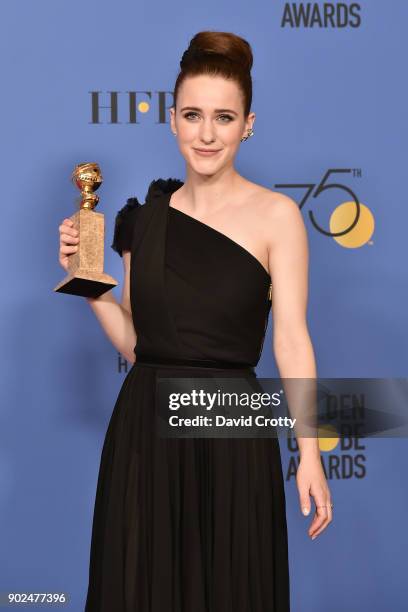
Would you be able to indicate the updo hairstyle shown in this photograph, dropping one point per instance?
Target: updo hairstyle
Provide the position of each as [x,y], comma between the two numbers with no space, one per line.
[219,54]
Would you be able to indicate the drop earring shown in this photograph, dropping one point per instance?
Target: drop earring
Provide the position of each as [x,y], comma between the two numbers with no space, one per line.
[250,132]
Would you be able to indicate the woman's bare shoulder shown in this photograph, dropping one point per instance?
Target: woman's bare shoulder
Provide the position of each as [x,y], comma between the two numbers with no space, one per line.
[273,215]
[268,198]
[269,204]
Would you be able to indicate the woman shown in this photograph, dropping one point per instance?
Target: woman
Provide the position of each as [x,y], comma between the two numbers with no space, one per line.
[200,524]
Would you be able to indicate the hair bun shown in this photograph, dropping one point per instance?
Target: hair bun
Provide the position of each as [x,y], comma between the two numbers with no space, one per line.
[218,45]
[190,54]
[219,53]
[196,54]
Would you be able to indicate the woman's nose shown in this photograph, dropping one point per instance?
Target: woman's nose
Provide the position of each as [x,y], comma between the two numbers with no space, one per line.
[207,132]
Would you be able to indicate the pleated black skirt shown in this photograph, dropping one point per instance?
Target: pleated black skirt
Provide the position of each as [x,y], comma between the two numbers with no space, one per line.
[185,525]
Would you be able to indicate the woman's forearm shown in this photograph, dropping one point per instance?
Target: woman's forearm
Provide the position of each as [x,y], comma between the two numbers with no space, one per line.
[116,322]
[296,360]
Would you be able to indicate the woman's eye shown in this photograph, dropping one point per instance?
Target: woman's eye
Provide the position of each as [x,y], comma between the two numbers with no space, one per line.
[227,117]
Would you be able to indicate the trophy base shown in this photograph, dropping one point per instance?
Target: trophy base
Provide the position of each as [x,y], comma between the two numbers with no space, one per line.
[86,283]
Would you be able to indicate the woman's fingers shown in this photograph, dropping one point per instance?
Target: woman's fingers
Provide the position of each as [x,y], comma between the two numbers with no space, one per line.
[322,518]
[305,502]
[68,234]
[311,482]
[69,241]
[318,522]
[67,223]
[67,249]
[329,518]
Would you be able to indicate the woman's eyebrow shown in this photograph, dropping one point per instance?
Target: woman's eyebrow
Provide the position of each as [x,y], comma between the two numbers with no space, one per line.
[216,110]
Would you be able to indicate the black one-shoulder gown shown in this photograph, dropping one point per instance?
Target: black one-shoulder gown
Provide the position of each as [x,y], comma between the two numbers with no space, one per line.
[198,524]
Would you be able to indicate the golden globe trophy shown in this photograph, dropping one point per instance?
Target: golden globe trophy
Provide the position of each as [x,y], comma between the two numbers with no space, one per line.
[85,269]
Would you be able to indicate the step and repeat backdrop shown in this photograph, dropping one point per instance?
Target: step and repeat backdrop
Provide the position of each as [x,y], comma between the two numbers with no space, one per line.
[93,82]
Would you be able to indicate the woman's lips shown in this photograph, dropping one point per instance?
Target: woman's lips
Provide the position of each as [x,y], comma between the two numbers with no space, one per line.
[206,153]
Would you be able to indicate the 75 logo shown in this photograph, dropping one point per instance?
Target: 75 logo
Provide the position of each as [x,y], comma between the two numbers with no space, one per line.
[351,223]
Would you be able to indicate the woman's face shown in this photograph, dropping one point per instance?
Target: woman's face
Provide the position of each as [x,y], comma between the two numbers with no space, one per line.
[209,116]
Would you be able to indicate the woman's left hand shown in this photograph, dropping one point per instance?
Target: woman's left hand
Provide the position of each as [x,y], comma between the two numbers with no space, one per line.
[311,480]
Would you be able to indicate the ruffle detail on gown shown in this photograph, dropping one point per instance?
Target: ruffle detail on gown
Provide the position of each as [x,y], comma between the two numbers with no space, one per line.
[122,230]
[160,186]
[124,221]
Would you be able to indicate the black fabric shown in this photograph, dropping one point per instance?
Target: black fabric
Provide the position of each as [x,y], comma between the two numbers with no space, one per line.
[124,225]
[125,220]
[183,525]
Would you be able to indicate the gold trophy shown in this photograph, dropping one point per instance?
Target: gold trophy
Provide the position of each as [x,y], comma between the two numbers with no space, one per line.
[85,269]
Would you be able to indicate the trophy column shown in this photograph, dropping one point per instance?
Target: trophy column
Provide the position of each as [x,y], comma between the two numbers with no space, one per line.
[85,276]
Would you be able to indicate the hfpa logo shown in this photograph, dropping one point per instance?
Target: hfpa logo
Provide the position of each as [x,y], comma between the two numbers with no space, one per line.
[129,104]
[351,223]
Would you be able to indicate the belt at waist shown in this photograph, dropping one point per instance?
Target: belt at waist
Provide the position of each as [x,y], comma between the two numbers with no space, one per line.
[153,360]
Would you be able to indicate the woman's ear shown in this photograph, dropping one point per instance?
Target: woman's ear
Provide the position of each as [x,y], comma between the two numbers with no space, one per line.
[250,121]
[173,120]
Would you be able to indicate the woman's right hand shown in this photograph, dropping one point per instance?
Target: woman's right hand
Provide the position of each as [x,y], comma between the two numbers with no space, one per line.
[69,240]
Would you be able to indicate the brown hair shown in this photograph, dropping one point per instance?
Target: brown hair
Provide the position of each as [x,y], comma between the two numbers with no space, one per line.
[219,53]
